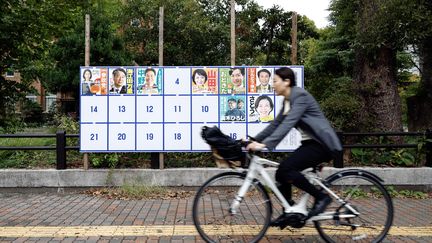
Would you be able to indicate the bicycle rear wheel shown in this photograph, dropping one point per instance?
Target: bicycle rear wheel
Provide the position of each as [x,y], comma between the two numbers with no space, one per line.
[367,195]
[212,214]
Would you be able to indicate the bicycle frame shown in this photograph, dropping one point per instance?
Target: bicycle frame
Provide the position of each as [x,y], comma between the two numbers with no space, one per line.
[256,168]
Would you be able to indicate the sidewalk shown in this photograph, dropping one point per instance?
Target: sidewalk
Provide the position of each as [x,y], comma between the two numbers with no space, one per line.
[75,217]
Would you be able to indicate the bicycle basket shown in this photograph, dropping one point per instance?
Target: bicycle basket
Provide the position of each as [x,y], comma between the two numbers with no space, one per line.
[226,151]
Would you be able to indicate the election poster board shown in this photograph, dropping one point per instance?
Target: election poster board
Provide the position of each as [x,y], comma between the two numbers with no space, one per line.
[163,109]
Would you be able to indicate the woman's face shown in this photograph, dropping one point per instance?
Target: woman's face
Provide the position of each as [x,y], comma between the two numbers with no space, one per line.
[264,107]
[237,77]
[199,79]
[279,85]
[87,75]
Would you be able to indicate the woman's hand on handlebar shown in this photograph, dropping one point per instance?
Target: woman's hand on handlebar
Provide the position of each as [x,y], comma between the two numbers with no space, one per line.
[255,146]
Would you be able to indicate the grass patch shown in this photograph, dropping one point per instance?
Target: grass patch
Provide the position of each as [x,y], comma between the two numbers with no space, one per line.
[35,158]
[27,158]
[407,193]
[136,191]
[373,192]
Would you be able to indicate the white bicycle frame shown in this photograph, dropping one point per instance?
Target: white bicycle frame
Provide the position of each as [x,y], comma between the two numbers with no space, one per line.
[256,168]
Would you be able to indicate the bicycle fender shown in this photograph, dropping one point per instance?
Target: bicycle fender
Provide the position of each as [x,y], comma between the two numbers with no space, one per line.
[353,172]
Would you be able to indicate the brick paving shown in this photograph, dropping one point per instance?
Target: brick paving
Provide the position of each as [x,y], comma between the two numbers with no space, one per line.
[80,210]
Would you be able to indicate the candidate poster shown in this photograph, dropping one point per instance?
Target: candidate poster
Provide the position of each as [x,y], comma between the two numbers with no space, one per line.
[232,108]
[94,81]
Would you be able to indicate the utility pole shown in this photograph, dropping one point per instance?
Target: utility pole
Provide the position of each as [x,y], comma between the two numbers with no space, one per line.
[161,36]
[233,33]
[87,63]
[294,39]
[87,40]
[157,159]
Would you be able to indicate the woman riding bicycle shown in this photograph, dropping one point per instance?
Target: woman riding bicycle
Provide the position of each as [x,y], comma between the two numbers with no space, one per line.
[319,141]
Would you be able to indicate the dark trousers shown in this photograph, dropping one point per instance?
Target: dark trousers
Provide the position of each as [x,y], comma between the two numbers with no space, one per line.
[309,154]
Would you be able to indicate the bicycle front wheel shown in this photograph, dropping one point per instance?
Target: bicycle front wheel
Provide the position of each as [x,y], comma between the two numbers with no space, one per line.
[365,194]
[216,221]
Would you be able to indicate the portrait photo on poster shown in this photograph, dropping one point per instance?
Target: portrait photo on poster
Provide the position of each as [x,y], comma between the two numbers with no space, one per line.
[157,108]
[204,80]
[260,80]
[232,108]
[261,108]
[93,81]
[149,80]
[117,80]
[233,80]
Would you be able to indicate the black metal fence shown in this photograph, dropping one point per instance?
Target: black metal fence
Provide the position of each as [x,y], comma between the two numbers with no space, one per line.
[61,145]
[427,135]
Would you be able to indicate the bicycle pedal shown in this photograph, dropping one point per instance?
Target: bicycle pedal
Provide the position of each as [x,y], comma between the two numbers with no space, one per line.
[295,220]
[280,225]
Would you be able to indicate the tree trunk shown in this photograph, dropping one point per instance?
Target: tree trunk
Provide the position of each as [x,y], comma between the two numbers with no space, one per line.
[375,76]
[420,105]
[269,47]
[376,80]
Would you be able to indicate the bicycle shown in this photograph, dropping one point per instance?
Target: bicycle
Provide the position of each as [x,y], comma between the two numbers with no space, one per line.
[235,206]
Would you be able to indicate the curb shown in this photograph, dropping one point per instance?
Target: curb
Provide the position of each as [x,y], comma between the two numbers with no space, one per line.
[77,178]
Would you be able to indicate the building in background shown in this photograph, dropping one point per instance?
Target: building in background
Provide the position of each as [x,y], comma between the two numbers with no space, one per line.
[44,99]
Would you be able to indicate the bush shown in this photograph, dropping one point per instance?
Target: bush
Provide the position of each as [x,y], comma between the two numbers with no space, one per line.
[105,160]
[27,159]
[11,124]
[402,157]
[32,113]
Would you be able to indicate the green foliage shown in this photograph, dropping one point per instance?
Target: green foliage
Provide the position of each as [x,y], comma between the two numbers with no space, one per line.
[362,156]
[190,160]
[190,38]
[31,113]
[360,29]
[404,157]
[62,122]
[27,33]
[413,194]
[328,69]
[354,192]
[373,192]
[275,37]
[107,48]
[29,160]
[141,190]
[406,193]
[66,123]
[340,108]
[338,101]
[11,124]
[198,32]
[105,160]
[11,93]
[28,30]
[391,190]
[26,159]
[409,88]
[371,25]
